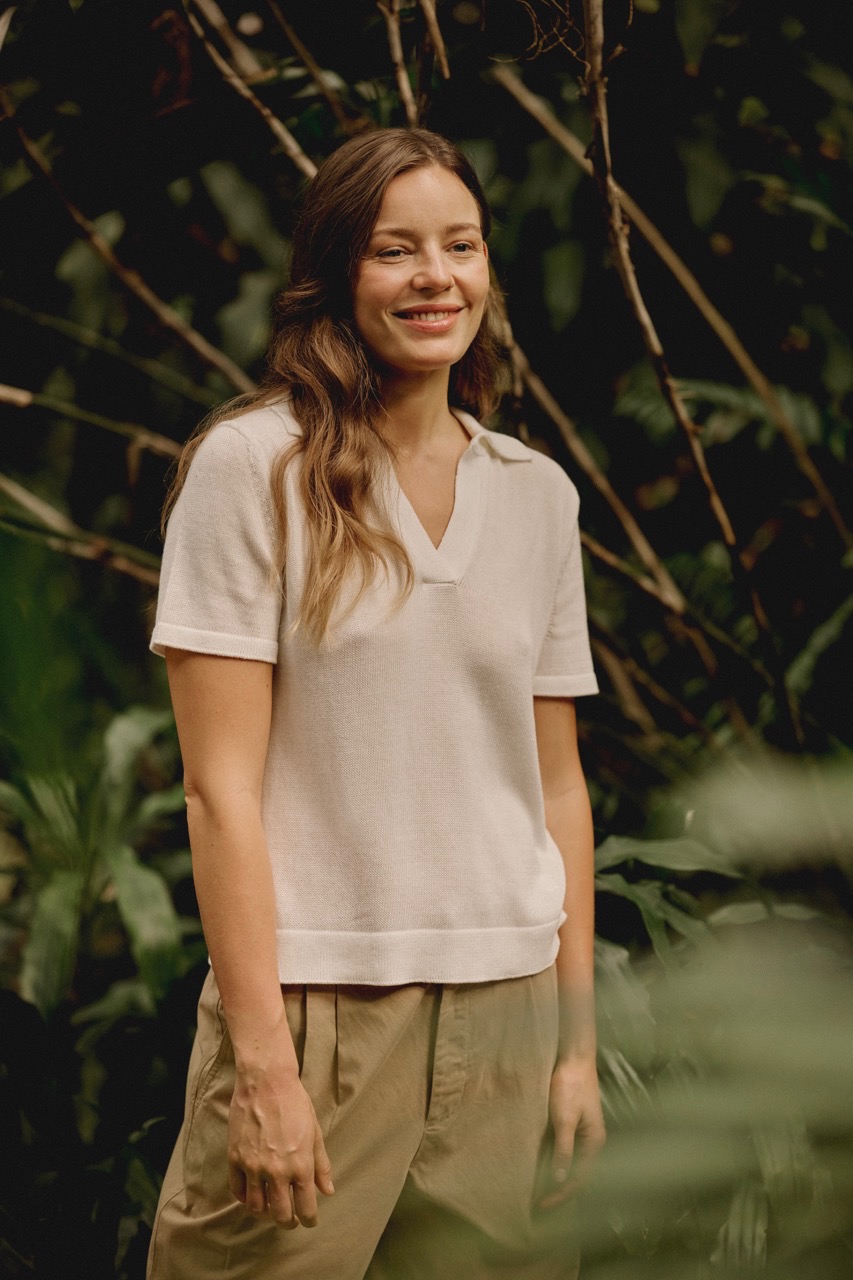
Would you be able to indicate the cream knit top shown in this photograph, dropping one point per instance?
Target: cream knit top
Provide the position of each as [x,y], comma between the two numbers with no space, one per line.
[402,803]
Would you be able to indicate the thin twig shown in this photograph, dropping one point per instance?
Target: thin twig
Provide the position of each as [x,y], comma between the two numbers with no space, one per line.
[572,145]
[242,58]
[153,369]
[437,39]
[62,534]
[141,437]
[236,82]
[391,14]
[349,123]
[543,397]
[604,640]
[167,316]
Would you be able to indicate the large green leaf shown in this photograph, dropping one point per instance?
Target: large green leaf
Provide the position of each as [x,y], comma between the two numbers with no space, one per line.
[127,735]
[50,951]
[673,855]
[149,916]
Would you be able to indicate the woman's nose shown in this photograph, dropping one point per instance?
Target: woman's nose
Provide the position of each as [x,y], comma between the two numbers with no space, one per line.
[432,271]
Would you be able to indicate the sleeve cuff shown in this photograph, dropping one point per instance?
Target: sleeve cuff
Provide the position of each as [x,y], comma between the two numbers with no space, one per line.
[167,635]
[565,686]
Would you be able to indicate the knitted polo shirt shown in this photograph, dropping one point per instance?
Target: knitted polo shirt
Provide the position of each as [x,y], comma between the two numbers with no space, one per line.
[402,802]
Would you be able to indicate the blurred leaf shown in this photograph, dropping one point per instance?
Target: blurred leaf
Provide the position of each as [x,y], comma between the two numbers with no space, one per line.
[50,950]
[157,805]
[742,1241]
[126,737]
[130,997]
[800,673]
[146,908]
[675,855]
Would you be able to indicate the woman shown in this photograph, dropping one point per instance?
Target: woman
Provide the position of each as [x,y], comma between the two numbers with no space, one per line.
[372,613]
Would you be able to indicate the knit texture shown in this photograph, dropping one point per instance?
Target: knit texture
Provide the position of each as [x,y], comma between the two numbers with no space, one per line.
[402,802]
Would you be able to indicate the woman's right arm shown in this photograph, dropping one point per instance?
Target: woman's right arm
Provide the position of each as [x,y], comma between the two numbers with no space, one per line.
[222,710]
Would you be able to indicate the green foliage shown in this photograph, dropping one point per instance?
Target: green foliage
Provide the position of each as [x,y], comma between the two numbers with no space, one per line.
[718,754]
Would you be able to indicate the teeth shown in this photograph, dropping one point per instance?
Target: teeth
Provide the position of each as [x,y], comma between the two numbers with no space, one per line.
[426,316]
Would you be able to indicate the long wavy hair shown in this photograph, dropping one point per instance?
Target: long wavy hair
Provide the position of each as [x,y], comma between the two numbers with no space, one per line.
[317,361]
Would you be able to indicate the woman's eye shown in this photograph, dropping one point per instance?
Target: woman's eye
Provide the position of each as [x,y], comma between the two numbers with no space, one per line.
[463,246]
[390,253]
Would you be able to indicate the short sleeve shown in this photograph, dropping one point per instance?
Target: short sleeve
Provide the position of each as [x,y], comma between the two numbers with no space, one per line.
[218,590]
[564,669]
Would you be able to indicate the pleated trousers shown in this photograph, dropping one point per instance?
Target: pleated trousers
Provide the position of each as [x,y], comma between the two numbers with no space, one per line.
[433,1102]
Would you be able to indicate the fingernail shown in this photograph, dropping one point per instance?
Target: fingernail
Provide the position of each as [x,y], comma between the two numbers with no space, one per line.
[560,1175]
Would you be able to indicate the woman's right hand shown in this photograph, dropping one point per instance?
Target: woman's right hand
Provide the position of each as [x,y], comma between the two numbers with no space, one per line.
[276,1153]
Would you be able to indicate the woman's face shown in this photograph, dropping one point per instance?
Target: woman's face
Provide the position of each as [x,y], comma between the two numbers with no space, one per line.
[422,284]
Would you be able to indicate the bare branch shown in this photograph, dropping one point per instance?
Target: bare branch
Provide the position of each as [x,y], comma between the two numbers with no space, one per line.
[141,437]
[543,397]
[242,58]
[160,373]
[437,39]
[604,641]
[279,131]
[391,13]
[349,123]
[573,146]
[62,534]
[167,316]
[618,230]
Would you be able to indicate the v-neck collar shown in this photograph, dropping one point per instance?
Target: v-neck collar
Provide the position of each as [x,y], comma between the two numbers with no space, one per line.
[447,562]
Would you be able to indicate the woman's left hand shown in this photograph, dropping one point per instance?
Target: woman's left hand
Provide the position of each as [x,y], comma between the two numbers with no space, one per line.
[578,1123]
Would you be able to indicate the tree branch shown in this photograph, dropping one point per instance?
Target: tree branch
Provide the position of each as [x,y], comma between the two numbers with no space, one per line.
[140,436]
[236,82]
[153,369]
[669,591]
[167,316]
[391,13]
[573,146]
[348,122]
[437,39]
[62,534]
[601,158]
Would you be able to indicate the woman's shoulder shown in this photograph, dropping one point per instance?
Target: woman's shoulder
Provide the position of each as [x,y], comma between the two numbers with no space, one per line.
[262,431]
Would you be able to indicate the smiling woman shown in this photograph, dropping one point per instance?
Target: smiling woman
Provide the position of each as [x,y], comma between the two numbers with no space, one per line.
[372,613]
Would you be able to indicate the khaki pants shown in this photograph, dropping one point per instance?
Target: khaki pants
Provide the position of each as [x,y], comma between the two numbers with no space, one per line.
[433,1102]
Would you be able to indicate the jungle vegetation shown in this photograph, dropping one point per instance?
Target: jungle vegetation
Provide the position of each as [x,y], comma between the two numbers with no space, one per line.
[671,181]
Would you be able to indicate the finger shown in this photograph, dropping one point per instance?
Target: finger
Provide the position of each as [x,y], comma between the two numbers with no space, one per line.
[237,1183]
[564,1152]
[305,1199]
[322,1165]
[280,1204]
[256,1198]
[554,1198]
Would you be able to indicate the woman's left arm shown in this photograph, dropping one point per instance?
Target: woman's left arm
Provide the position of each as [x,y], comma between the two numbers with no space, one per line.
[575,1103]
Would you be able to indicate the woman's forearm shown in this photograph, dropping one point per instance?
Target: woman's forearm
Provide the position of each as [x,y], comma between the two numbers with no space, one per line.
[234,886]
[569,821]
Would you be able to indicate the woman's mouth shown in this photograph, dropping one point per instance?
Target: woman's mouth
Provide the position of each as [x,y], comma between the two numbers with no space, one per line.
[436,320]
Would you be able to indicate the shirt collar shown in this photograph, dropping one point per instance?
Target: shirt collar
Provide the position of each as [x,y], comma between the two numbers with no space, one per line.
[503,446]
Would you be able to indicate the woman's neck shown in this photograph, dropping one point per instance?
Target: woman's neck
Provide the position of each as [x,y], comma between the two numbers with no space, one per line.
[417,415]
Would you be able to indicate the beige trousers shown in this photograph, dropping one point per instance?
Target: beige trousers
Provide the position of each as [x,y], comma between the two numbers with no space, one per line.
[433,1102]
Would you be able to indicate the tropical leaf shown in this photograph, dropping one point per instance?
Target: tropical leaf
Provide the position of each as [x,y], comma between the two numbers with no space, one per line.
[674,855]
[149,915]
[50,951]
[126,737]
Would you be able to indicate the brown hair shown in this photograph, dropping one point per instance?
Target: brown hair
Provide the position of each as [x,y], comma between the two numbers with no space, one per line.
[316,358]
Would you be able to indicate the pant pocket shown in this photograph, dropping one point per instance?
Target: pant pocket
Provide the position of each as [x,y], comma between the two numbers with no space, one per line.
[319,1067]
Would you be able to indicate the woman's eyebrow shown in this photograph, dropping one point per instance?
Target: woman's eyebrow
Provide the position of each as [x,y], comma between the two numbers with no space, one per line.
[455,228]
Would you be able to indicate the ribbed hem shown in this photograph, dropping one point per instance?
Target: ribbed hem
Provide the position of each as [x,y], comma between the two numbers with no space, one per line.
[167,635]
[416,955]
[564,686]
